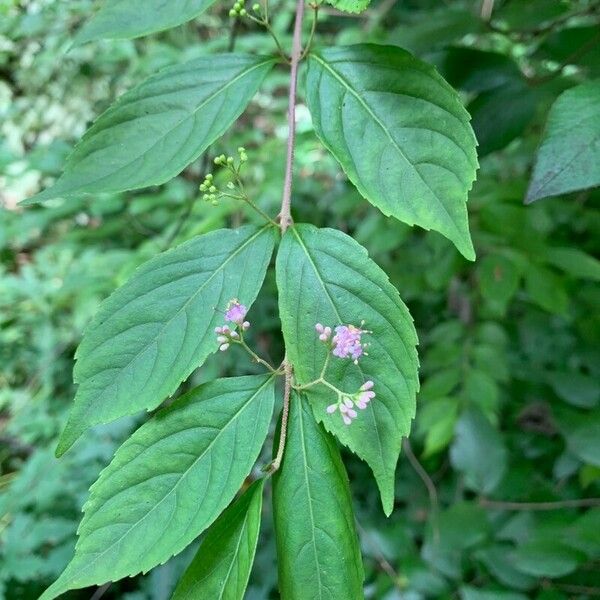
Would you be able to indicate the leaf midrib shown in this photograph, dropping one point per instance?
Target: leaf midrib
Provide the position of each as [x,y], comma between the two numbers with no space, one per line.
[310,507]
[188,116]
[364,104]
[234,417]
[328,295]
[183,308]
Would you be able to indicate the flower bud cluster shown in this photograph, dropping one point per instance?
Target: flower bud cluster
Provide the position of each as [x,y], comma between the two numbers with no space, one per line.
[210,191]
[238,10]
[347,403]
[236,315]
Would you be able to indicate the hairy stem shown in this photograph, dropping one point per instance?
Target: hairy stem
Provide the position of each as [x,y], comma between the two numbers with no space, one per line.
[285,217]
[287,370]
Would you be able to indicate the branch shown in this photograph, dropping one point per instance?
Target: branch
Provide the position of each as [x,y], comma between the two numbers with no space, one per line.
[285,217]
[431,489]
[557,505]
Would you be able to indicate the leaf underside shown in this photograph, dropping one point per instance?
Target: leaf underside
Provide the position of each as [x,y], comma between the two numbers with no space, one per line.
[169,481]
[324,276]
[156,329]
[158,128]
[400,133]
[317,545]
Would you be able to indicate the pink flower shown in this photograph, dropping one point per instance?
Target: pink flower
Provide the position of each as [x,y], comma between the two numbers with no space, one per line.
[236,313]
[347,342]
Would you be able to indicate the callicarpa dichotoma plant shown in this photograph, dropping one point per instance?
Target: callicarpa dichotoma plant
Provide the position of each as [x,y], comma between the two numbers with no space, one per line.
[349,374]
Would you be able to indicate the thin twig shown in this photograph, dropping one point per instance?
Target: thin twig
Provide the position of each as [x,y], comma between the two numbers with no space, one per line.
[556,505]
[379,557]
[285,216]
[287,369]
[487,8]
[313,29]
[572,588]
[431,489]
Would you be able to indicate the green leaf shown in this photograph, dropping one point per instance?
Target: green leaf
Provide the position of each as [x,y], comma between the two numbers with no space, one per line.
[471,593]
[324,276]
[478,452]
[435,421]
[155,130]
[499,562]
[546,289]
[156,329]
[400,133]
[582,433]
[169,481]
[574,262]
[134,18]
[546,558]
[457,529]
[350,6]
[317,545]
[221,568]
[568,157]
[502,114]
[498,280]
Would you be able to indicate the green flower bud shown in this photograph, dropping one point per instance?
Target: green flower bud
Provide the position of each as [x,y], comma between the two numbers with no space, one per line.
[205,198]
[202,187]
[230,160]
[212,189]
[209,177]
[243,12]
[256,7]
[241,150]
[231,185]
[237,6]
[243,157]
[233,13]
[214,203]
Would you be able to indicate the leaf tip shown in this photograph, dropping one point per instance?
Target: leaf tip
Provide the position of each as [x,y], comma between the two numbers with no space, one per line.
[68,437]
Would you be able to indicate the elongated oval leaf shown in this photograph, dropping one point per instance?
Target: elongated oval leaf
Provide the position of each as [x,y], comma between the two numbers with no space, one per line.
[169,481]
[324,276]
[134,18]
[400,133]
[155,130]
[317,546]
[156,329]
[569,155]
[221,568]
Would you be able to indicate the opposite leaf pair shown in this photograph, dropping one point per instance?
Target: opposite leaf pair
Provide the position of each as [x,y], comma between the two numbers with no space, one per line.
[174,476]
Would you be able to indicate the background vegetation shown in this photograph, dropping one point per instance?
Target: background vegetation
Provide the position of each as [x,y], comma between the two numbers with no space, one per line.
[495,495]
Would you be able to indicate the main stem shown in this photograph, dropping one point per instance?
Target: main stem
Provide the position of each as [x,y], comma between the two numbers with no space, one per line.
[285,217]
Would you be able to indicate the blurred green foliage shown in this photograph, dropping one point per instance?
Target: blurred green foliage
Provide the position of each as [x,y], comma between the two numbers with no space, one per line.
[508,415]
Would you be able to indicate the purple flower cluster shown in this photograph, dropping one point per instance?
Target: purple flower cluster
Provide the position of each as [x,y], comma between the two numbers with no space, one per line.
[347,341]
[346,405]
[235,313]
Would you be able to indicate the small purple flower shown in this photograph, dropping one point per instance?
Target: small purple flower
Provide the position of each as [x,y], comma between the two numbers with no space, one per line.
[236,312]
[347,342]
